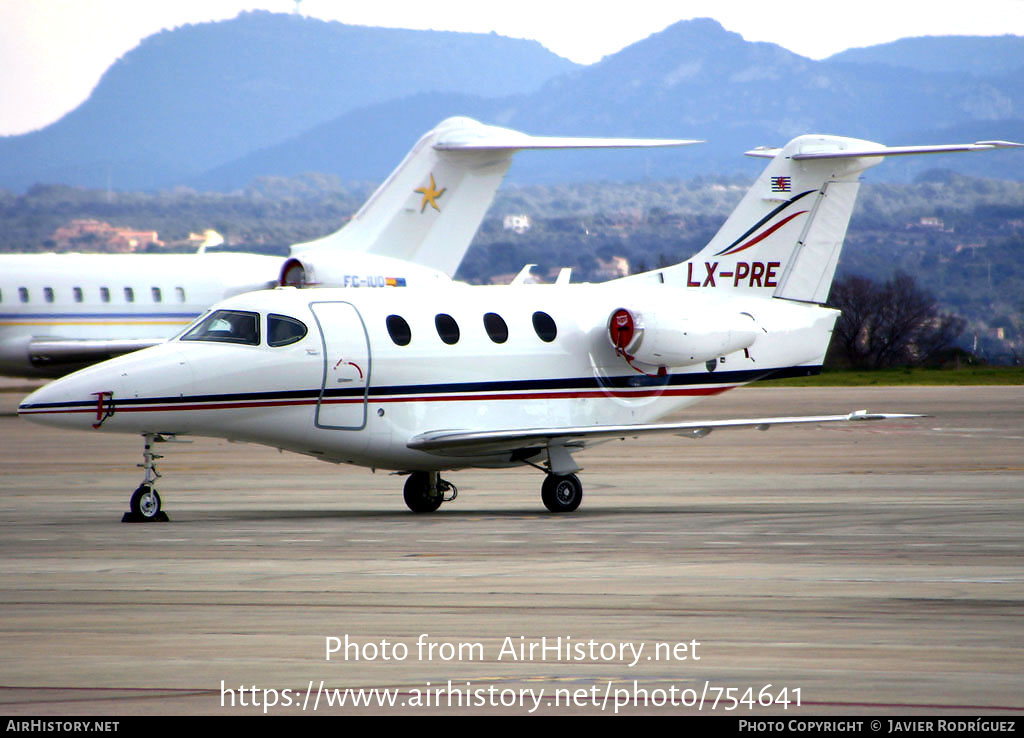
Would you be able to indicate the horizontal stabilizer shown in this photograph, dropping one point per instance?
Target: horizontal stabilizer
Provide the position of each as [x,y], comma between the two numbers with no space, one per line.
[492,138]
[855,152]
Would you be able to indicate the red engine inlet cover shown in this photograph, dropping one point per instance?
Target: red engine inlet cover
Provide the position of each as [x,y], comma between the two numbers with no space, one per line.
[621,328]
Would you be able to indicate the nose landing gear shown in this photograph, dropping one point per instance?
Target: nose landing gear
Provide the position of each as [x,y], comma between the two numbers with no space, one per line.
[145,506]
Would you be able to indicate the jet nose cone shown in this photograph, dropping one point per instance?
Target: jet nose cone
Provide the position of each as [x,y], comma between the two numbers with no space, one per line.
[37,397]
[58,403]
[111,394]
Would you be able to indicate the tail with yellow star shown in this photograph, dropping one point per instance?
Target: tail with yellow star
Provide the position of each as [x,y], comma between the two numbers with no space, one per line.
[428,210]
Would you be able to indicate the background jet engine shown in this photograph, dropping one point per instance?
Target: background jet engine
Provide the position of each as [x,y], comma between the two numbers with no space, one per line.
[661,339]
[320,268]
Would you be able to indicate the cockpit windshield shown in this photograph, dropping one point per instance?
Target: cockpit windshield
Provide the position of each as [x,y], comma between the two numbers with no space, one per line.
[227,326]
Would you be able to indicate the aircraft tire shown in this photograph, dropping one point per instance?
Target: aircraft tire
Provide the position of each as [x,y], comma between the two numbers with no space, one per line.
[561,493]
[145,502]
[417,494]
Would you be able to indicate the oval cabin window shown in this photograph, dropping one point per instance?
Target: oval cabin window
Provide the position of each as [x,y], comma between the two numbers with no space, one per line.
[496,327]
[545,326]
[447,328]
[399,330]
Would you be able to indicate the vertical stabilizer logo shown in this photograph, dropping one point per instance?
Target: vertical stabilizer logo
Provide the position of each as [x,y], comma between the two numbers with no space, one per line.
[752,236]
[430,195]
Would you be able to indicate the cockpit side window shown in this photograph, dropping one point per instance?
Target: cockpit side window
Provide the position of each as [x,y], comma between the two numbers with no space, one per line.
[282,330]
[227,326]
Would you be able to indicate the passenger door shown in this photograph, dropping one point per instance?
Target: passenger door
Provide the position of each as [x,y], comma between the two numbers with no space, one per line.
[346,368]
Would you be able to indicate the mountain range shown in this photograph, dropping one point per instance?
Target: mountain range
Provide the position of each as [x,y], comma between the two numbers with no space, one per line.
[215,105]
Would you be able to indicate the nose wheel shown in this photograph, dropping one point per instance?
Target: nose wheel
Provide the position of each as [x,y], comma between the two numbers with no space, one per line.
[145,503]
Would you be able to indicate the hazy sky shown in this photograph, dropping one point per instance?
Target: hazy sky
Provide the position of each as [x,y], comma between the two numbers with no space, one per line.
[53,52]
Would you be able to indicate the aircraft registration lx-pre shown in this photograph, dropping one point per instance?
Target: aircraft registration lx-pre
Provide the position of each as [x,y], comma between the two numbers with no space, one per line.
[422,381]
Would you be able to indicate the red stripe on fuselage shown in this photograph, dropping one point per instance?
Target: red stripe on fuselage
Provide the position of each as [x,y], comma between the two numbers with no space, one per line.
[592,394]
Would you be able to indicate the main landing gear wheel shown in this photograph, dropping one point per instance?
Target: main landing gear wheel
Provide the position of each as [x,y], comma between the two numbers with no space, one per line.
[145,502]
[561,493]
[425,491]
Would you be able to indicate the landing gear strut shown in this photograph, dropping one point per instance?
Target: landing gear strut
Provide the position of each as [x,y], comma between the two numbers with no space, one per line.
[425,491]
[561,492]
[144,505]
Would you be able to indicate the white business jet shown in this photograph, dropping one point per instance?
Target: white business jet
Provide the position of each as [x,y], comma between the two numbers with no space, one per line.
[59,312]
[423,381]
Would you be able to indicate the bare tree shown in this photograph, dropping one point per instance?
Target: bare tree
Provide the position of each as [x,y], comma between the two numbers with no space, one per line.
[891,324]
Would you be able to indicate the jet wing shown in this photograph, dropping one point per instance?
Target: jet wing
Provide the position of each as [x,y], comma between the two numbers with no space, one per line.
[64,354]
[490,443]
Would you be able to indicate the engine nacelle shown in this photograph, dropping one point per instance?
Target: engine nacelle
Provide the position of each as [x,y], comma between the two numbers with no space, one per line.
[349,269]
[661,340]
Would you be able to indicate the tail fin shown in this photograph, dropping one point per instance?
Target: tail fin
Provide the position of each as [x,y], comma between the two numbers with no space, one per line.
[430,207]
[785,236]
